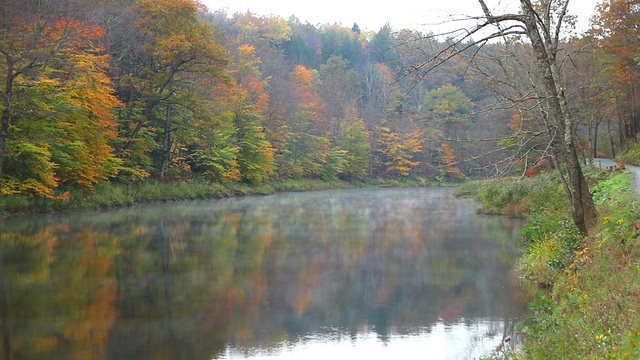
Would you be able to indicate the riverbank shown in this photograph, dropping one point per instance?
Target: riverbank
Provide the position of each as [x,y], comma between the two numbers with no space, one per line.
[585,291]
[112,195]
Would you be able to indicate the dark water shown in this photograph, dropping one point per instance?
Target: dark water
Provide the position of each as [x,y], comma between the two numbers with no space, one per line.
[349,274]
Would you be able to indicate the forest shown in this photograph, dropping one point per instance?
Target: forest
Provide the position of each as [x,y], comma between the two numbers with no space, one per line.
[128,90]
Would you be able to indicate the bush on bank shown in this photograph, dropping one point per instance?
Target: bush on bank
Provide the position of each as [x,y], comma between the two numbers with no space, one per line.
[585,291]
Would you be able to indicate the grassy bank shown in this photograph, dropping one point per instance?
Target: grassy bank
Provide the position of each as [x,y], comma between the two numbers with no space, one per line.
[585,291]
[110,195]
[631,156]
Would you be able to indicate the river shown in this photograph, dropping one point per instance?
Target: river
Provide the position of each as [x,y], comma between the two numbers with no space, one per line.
[344,274]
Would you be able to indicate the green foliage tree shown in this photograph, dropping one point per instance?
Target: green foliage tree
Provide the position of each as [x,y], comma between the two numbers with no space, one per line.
[353,138]
[342,42]
[213,150]
[447,108]
[381,47]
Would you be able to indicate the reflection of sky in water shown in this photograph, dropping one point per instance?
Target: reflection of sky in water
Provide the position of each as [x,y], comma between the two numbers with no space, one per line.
[457,341]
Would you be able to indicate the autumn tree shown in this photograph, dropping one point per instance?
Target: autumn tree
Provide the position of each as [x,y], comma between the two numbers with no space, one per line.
[57,107]
[212,152]
[269,38]
[267,35]
[542,25]
[171,49]
[395,152]
[615,28]
[450,169]
[353,139]
[307,145]
[447,108]
[339,88]
[255,155]
[444,112]
[594,98]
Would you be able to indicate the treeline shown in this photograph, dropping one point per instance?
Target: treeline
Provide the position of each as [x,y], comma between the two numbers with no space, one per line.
[123,90]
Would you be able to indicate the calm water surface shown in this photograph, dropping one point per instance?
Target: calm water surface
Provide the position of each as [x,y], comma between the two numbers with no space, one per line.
[348,274]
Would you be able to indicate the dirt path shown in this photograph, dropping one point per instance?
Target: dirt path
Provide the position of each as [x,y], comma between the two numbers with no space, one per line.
[635,180]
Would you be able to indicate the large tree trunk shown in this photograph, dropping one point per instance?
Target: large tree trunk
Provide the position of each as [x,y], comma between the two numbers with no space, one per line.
[4,132]
[583,209]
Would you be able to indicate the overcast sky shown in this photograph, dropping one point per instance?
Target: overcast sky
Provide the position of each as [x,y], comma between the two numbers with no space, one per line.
[424,15]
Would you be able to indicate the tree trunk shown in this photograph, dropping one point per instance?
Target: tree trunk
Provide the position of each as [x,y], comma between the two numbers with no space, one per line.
[6,115]
[165,144]
[611,140]
[621,126]
[634,119]
[4,133]
[583,209]
[594,141]
[148,116]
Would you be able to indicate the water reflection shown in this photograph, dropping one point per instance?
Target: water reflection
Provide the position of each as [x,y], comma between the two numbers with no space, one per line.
[334,272]
[454,341]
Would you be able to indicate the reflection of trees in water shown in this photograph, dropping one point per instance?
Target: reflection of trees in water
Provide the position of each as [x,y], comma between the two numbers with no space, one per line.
[52,313]
[181,281]
[393,274]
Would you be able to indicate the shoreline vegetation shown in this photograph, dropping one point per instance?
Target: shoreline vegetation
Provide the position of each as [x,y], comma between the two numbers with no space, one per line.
[113,195]
[585,291]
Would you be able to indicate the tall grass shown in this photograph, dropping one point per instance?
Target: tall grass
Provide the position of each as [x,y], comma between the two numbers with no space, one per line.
[514,196]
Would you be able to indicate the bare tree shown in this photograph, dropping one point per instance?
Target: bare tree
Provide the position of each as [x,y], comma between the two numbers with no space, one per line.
[540,23]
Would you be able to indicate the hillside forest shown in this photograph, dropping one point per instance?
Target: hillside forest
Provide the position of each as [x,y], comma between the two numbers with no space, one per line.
[127,90]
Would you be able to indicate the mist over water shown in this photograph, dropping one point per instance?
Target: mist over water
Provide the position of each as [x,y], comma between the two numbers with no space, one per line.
[413,273]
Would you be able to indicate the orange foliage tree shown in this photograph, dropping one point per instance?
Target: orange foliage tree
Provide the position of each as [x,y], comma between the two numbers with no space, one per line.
[56,119]
[450,168]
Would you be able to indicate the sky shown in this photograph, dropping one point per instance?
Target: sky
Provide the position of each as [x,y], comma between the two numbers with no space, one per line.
[423,15]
